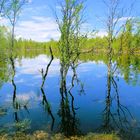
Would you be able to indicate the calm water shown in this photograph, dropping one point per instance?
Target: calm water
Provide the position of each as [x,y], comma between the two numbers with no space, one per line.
[97,101]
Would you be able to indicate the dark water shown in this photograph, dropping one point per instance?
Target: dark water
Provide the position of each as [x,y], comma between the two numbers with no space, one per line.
[98,100]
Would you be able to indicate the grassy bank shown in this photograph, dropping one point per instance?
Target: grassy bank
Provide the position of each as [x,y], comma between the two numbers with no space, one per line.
[41,135]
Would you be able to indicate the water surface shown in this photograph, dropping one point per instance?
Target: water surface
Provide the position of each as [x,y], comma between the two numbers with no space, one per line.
[98,100]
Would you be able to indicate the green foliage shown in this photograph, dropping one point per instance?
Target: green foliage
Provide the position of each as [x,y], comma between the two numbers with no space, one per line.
[136,41]
[69,27]
[41,135]
[22,125]
[4,37]
[3,111]
[4,43]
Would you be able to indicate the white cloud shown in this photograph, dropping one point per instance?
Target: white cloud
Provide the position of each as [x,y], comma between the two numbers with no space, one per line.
[3,21]
[19,81]
[123,19]
[58,7]
[29,1]
[39,29]
[33,66]
[101,33]
[30,97]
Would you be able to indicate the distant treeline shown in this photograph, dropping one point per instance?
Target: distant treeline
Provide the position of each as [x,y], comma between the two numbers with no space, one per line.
[127,40]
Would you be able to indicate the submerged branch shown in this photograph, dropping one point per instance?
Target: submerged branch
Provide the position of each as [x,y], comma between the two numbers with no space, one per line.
[44,100]
[44,75]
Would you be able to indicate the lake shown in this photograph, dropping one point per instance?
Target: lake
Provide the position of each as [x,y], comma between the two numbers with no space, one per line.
[97,98]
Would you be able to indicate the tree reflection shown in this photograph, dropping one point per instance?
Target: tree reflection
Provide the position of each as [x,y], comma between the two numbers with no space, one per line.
[20,124]
[4,77]
[47,106]
[4,69]
[116,116]
[69,124]
[45,102]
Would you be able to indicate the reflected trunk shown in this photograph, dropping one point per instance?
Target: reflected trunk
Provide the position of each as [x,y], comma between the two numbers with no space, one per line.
[47,106]
[116,117]
[17,105]
[69,124]
[45,102]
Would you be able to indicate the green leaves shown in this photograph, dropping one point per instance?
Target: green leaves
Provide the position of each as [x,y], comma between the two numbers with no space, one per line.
[69,27]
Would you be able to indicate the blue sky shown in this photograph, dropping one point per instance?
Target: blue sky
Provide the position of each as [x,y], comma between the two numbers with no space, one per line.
[37,20]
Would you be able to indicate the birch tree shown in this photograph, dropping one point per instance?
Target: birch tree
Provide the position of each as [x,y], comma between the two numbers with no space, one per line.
[13,15]
[69,24]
